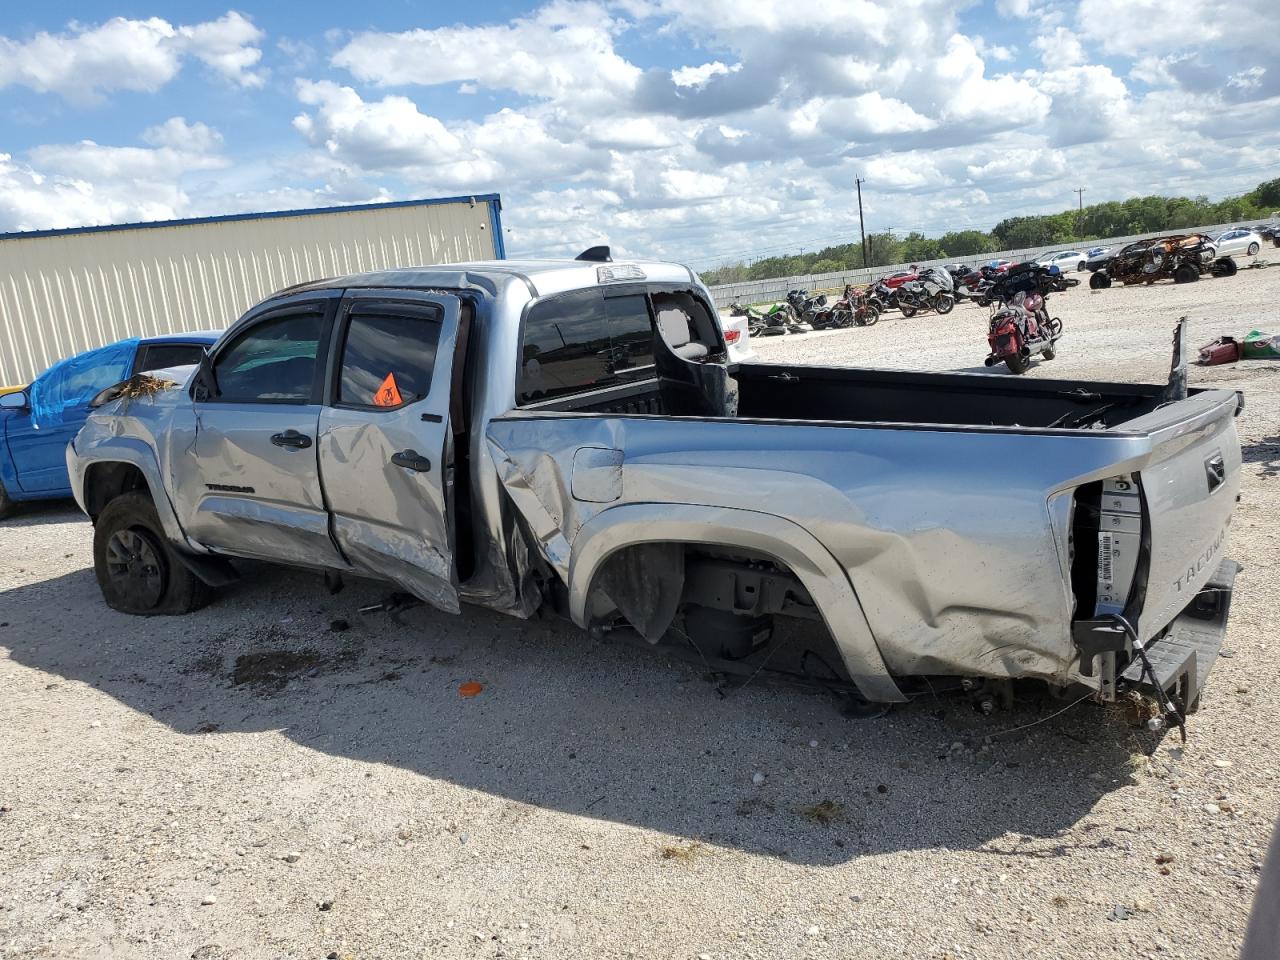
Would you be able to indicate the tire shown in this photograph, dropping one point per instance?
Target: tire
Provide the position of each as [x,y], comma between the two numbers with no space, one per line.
[907,311]
[1096,281]
[1253,249]
[1225,267]
[1186,273]
[1048,353]
[870,316]
[7,505]
[1017,363]
[1080,267]
[136,567]
[944,304]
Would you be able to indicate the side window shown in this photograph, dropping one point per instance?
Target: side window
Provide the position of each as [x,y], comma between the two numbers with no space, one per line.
[388,355]
[565,348]
[273,361]
[160,355]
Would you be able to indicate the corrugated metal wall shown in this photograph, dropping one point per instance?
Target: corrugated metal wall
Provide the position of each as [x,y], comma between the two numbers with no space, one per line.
[62,293]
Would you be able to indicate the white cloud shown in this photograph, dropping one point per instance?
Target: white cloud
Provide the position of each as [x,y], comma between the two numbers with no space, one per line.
[85,62]
[563,51]
[699,75]
[180,135]
[387,134]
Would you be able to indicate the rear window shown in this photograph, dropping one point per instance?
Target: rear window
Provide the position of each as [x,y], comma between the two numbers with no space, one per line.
[581,340]
[158,356]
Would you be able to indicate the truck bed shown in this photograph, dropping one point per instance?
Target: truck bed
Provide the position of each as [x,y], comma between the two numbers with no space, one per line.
[855,395]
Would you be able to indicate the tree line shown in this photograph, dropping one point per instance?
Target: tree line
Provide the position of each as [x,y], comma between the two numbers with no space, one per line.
[1069,228]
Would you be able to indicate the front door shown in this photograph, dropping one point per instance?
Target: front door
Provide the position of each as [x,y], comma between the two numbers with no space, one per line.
[247,483]
[385,441]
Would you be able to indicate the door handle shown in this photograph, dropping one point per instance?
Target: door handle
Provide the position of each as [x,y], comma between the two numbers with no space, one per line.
[411,460]
[1215,471]
[291,438]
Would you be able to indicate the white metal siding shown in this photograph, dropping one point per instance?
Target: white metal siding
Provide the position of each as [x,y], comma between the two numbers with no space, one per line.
[63,294]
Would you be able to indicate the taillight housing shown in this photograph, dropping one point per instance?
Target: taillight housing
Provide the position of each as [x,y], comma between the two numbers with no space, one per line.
[732,336]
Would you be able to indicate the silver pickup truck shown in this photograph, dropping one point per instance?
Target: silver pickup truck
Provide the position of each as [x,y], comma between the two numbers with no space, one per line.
[569,434]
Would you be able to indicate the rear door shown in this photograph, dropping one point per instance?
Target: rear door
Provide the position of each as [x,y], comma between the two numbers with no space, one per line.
[248,483]
[385,437]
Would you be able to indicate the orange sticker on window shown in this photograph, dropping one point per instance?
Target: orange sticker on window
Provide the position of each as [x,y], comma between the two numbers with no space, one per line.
[388,394]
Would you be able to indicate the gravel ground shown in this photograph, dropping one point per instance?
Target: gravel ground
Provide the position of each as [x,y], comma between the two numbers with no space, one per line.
[256,781]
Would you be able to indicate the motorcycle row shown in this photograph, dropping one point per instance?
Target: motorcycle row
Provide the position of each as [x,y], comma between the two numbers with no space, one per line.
[1020,327]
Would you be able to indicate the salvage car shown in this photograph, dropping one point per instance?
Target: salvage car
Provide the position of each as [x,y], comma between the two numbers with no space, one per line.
[568,435]
[1182,258]
[37,421]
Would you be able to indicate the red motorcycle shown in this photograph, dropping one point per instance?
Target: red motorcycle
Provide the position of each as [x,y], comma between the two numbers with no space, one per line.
[1020,330]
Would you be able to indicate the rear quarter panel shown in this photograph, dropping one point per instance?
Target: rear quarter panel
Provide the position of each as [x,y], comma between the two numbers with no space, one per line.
[955,540]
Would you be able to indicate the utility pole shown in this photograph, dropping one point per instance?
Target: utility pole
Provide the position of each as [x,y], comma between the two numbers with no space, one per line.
[862,226]
[1079,192]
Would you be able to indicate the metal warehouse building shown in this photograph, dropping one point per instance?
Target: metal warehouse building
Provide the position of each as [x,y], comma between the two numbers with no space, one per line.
[64,291]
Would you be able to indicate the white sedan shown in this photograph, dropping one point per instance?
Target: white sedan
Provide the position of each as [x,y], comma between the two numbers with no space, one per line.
[1064,260]
[1239,242]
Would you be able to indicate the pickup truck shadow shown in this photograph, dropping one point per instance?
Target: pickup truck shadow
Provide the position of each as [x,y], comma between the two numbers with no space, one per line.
[1265,453]
[571,724]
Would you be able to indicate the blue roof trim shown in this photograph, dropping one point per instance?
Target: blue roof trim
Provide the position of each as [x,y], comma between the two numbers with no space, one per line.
[495,224]
[492,198]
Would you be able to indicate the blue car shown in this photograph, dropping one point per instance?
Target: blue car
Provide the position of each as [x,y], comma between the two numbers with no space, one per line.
[37,423]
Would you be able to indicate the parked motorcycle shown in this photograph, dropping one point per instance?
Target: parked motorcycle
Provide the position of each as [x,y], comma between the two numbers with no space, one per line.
[774,322]
[933,290]
[804,307]
[1020,326]
[855,308]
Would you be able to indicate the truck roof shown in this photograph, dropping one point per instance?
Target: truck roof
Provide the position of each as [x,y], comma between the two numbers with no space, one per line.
[542,277]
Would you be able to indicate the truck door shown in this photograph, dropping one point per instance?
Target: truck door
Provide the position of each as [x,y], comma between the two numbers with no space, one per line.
[248,483]
[386,447]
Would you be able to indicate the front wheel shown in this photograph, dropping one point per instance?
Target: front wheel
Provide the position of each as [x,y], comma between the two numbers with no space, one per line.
[907,311]
[944,304]
[1186,273]
[869,317]
[1253,249]
[1017,363]
[136,567]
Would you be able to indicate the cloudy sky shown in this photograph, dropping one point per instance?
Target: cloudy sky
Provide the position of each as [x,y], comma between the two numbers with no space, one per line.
[693,129]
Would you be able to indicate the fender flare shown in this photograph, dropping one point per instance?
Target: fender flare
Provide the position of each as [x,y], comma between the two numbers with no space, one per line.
[137,454]
[827,582]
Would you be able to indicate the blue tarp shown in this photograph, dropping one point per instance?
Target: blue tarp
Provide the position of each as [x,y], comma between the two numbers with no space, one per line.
[70,384]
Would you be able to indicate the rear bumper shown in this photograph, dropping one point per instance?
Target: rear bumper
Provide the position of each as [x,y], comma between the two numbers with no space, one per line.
[1183,656]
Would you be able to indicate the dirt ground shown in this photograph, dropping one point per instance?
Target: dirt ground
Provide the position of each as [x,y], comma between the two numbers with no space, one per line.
[280,775]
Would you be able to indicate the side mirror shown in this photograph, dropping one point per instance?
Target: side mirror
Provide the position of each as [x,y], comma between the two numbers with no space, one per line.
[14,401]
[204,383]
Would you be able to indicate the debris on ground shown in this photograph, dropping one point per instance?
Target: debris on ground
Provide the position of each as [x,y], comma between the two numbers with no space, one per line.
[824,812]
[470,689]
[685,854]
[1260,346]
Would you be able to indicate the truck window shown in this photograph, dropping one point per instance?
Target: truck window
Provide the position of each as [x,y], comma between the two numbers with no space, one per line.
[272,362]
[630,334]
[581,340]
[158,356]
[565,346]
[388,355]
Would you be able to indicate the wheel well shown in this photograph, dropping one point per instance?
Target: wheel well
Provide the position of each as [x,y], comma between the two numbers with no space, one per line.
[648,583]
[105,481]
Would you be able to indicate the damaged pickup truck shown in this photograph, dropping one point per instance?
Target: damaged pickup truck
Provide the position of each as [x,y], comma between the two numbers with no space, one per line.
[569,435]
